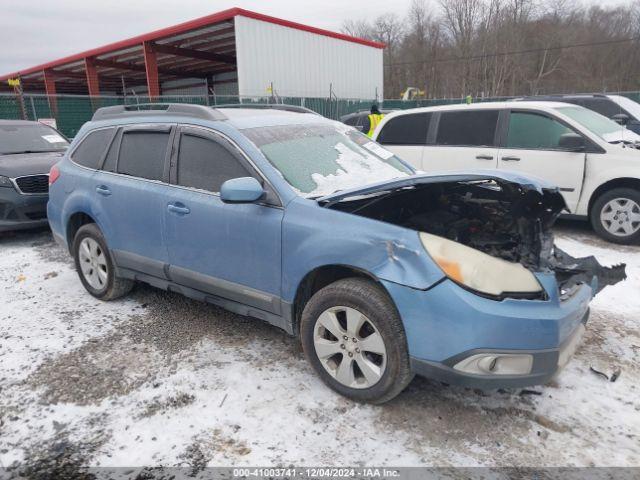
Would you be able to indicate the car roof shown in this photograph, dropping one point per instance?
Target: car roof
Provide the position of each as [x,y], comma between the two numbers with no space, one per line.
[242,118]
[238,117]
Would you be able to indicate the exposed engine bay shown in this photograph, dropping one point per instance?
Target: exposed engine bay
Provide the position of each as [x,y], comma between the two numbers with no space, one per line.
[501,218]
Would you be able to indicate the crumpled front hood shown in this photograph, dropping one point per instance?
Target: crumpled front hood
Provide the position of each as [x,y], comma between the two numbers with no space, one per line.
[502,214]
[529,183]
[21,164]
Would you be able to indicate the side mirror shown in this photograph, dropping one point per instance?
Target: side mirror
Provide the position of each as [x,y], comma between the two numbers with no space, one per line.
[572,142]
[621,118]
[241,190]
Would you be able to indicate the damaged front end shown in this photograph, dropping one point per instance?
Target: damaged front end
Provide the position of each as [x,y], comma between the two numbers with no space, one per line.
[500,215]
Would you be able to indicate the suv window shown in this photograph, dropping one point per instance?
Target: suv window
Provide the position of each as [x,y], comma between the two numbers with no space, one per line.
[353,121]
[534,131]
[475,128]
[91,150]
[408,129]
[603,106]
[206,164]
[142,154]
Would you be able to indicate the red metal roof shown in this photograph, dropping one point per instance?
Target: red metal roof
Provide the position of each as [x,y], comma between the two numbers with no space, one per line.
[182,28]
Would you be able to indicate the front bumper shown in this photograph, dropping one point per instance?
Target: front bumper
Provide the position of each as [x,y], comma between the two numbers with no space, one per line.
[546,364]
[447,324]
[18,212]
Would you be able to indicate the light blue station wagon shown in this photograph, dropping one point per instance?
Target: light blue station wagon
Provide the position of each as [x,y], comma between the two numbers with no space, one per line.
[280,214]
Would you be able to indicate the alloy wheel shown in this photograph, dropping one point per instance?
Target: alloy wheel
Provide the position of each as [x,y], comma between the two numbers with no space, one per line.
[93,263]
[350,347]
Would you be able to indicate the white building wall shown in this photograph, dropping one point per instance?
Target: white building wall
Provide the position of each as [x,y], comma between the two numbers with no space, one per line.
[304,64]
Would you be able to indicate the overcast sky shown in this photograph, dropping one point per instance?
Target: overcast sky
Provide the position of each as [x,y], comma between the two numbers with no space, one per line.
[37,31]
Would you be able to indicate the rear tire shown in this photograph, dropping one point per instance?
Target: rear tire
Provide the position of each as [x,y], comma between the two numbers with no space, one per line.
[95,266]
[615,216]
[363,329]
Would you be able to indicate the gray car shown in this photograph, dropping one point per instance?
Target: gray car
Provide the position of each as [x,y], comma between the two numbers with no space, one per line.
[28,150]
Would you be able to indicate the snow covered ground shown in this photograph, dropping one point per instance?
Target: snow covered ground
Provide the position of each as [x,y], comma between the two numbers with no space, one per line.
[157,379]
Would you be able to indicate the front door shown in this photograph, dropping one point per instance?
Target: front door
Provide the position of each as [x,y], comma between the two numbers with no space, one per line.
[533,145]
[228,250]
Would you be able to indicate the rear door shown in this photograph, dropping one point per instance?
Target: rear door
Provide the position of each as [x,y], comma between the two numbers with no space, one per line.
[531,145]
[406,136]
[130,190]
[462,140]
[228,250]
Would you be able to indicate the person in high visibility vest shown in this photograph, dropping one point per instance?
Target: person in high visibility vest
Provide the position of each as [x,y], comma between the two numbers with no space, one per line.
[374,119]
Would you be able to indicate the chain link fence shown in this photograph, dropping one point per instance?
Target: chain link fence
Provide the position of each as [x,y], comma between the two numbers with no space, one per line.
[72,111]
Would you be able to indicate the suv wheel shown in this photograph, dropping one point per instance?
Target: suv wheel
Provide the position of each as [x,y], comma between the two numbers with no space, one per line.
[95,266]
[615,215]
[353,337]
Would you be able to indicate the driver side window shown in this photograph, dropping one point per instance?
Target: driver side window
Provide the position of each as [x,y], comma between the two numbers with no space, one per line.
[206,164]
[533,131]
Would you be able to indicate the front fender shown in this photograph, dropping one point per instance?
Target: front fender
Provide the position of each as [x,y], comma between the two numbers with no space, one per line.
[314,236]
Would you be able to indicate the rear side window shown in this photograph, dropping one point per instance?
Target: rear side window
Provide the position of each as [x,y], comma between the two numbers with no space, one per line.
[353,121]
[92,148]
[603,106]
[206,164]
[409,129]
[142,154]
[474,128]
[535,132]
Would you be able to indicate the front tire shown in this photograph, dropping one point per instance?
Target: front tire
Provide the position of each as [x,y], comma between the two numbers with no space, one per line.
[95,266]
[615,216]
[353,337]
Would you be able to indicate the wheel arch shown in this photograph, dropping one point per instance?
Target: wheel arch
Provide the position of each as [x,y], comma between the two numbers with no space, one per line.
[75,221]
[319,278]
[622,182]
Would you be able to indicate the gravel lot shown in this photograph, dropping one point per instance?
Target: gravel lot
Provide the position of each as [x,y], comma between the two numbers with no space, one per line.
[157,379]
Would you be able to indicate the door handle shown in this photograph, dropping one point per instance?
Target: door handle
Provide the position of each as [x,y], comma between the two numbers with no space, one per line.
[178,208]
[103,190]
[510,159]
[484,157]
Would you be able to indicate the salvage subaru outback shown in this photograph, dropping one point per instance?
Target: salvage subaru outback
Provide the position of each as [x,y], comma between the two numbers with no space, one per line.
[303,222]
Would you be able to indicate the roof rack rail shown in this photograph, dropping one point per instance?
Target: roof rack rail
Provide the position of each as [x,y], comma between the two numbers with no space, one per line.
[561,95]
[267,106]
[146,109]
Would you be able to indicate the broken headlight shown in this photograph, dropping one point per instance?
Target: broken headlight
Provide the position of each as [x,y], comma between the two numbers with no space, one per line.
[479,271]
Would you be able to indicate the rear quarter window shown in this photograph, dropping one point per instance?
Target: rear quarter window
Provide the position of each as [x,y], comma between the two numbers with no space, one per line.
[92,148]
[410,129]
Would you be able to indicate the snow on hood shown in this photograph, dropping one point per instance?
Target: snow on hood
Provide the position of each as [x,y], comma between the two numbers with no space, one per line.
[356,169]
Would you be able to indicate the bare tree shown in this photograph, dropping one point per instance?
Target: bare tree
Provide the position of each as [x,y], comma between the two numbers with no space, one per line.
[508,47]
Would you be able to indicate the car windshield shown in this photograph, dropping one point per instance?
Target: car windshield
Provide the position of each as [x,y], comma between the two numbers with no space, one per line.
[606,129]
[28,138]
[319,159]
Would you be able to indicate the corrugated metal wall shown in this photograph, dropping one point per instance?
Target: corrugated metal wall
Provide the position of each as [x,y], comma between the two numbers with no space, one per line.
[300,63]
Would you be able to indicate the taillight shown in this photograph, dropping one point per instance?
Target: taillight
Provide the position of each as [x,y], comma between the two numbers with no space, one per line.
[54,174]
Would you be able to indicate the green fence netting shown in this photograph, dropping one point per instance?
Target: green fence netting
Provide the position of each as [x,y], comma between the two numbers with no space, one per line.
[72,111]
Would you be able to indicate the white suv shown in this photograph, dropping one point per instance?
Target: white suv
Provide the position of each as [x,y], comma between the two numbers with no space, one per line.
[594,161]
